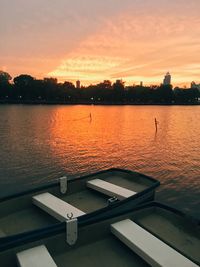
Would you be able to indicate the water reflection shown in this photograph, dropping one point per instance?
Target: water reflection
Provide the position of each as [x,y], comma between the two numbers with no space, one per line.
[40,143]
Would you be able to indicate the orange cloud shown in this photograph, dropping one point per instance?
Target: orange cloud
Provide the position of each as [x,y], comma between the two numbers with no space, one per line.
[94,40]
[137,47]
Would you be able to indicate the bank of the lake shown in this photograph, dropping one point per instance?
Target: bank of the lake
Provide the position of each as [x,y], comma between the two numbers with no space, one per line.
[97,102]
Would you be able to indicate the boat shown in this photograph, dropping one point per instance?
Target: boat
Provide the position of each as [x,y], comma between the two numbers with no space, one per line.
[84,196]
[151,234]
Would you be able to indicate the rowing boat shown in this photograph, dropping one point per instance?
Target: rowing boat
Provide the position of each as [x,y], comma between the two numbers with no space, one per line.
[151,234]
[85,196]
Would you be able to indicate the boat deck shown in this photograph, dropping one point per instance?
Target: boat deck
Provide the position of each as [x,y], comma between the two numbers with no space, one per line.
[32,217]
[105,252]
[171,228]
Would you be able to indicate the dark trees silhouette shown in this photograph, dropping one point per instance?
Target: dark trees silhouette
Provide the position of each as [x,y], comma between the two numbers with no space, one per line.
[4,77]
[139,94]
[186,95]
[164,94]
[26,88]
[23,85]
[5,86]
[118,88]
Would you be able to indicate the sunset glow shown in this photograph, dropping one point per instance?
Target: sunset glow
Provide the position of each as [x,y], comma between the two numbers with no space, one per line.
[94,40]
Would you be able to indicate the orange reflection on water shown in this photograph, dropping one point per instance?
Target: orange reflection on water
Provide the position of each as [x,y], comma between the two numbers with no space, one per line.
[73,127]
[125,136]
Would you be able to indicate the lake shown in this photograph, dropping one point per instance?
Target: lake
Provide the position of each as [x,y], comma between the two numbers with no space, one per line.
[41,143]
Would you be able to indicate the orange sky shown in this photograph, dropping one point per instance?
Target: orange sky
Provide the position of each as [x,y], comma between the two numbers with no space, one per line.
[93,40]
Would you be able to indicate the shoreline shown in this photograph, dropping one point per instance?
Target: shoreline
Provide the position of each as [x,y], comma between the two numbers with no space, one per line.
[29,102]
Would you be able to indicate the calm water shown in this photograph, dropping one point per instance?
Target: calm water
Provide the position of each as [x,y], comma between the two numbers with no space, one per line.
[41,143]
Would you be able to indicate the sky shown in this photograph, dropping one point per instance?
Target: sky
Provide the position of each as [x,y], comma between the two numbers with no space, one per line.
[96,40]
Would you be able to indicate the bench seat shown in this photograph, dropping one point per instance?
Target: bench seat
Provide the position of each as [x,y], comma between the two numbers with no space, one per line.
[56,207]
[148,247]
[110,189]
[35,257]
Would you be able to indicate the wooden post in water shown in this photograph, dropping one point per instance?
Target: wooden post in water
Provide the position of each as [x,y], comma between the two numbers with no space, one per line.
[90,117]
[156,124]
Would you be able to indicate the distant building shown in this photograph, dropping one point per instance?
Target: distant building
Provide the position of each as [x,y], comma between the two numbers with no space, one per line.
[78,84]
[195,86]
[141,84]
[167,79]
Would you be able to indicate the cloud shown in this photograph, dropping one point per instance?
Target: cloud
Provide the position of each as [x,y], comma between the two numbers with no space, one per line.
[92,40]
[136,47]
[87,68]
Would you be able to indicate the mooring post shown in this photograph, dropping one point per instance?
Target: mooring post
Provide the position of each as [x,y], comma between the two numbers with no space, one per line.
[156,124]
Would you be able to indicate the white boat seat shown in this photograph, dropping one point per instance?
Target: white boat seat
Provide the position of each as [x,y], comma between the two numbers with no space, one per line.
[35,257]
[56,207]
[147,246]
[110,189]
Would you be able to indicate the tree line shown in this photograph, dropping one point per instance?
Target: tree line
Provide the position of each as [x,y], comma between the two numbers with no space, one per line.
[26,89]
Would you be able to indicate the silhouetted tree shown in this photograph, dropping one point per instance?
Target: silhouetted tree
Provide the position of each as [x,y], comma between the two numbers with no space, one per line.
[118,88]
[51,80]
[164,94]
[5,86]
[186,95]
[69,92]
[23,80]
[4,77]
[139,94]
[24,86]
